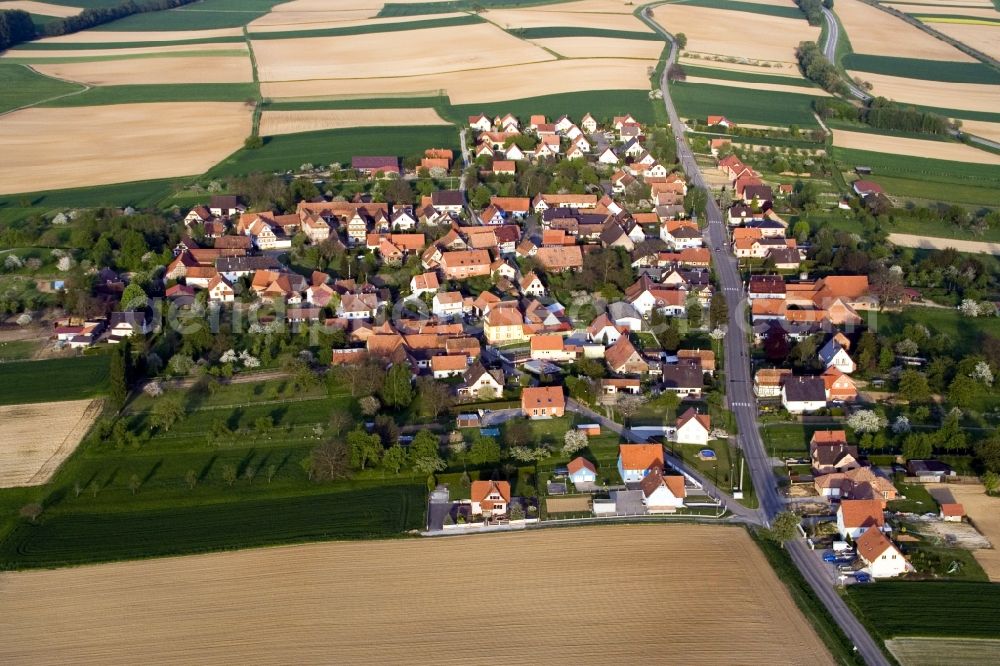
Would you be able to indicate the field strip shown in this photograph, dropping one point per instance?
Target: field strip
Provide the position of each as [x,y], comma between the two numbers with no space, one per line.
[225,48]
[985,11]
[43,8]
[595,47]
[160,70]
[292,122]
[982,510]
[36,438]
[295,25]
[914,651]
[297,604]
[874,31]
[775,68]
[959,20]
[496,84]
[931,243]
[982,128]
[964,96]
[984,38]
[942,3]
[57,148]
[526,18]
[773,87]
[587,7]
[83,88]
[110,36]
[705,28]
[895,145]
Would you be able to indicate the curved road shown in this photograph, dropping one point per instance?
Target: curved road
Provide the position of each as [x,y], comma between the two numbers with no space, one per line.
[739,389]
[830,49]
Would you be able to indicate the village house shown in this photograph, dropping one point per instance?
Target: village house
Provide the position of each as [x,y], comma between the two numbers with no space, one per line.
[624,359]
[611,386]
[686,380]
[839,387]
[448,304]
[581,470]
[225,205]
[855,517]
[465,264]
[126,324]
[543,402]
[802,395]
[860,483]
[490,498]
[636,461]
[378,166]
[829,452]
[478,382]
[447,365]
[504,325]
[881,557]
[834,355]
[662,494]
[951,512]
[603,330]
[425,283]
[693,428]
[552,348]
[703,358]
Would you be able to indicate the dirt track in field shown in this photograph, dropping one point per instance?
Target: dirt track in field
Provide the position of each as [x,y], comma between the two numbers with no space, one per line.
[36,438]
[616,594]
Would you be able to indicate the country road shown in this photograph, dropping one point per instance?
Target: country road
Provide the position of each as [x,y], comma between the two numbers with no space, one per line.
[739,384]
[830,49]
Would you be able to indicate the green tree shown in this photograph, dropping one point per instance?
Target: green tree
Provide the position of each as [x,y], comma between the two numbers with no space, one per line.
[134,298]
[718,311]
[484,451]
[991,481]
[988,452]
[134,483]
[365,449]
[167,410]
[784,527]
[913,386]
[962,391]
[229,474]
[425,452]
[119,379]
[681,40]
[397,391]
[695,314]
[394,458]
[917,446]
[191,479]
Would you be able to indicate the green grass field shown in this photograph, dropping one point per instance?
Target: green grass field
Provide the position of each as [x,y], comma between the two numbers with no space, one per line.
[789,440]
[955,18]
[281,153]
[54,379]
[440,103]
[392,9]
[23,86]
[86,46]
[18,350]
[468,19]
[572,31]
[140,194]
[751,7]
[964,332]
[699,100]
[931,191]
[929,608]
[166,92]
[929,70]
[205,15]
[194,53]
[749,77]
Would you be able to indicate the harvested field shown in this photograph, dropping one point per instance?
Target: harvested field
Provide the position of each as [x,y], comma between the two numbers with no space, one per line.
[469,47]
[483,85]
[931,243]
[37,438]
[965,96]
[589,6]
[43,8]
[982,128]
[99,145]
[983,511]
[944,651]
[530,18]
[110,36]
[773,87]
[772,68]
[950,4]
[985,11]
[227,606]
[596,47]
[877,32]
[82,54]
[985,38]
[704,26]
[224,69]
[939,150]
[567,504]
[273,123]
[286,21]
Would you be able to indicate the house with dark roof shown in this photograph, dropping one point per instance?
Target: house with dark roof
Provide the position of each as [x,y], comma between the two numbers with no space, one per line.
[801,395]
[684,379]
[375,165]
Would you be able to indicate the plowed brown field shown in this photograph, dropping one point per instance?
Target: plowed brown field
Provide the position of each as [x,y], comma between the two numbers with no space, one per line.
[35,439]
[678,594]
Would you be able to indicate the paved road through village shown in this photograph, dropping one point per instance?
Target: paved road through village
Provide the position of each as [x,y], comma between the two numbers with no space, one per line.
[739,385]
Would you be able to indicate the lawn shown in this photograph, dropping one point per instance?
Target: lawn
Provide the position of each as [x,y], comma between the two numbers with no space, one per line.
[918,500]
[137,94]
[76,537]
[788,440]
[205,15]
[281,153]
[762,107]
[933,191]
[964,609]
[928,70]
[23,86]
[53,379]
[18,350]
[440,102]
[964,332]
[575,31]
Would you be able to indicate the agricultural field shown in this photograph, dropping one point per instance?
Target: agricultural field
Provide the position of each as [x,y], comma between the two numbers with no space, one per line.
[982,37]
[944,651]
[273,123]
[213,68]
[875,32]
[987,130]
[984,512]
[43,8]
[53,379]
[928,70]
[895,145]
[23,87]
[698,100]
[962,96]
[38,437]
[62,148]
[193,603]
[926,609]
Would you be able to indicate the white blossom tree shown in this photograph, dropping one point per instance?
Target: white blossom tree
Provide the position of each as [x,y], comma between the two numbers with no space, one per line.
[866,420]
[573,441]
[23,319]
[153,389]
[983,373]
[228,356]
[969,308]
[901,425]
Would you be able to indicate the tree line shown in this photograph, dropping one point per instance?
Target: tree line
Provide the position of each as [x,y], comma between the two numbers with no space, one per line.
[819,70]
[813,9]
[16,26]
[882,113]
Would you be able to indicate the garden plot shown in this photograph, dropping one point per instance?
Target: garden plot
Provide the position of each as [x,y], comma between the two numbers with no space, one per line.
[939,150]
[707,29]
[273,123]
[212,69]
[416,53]
[99,145]
[36,438]
[296,604]
[874,31]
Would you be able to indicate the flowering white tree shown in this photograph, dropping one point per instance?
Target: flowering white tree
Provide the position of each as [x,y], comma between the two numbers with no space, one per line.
[907,347]
[228,356]
[65,263]
[865,420]
[983,373]
[574,440]
[153,389]
[522,454]
[181,364]
[24,319]
[901,425]
[969,308]
[12,262]
[249,361]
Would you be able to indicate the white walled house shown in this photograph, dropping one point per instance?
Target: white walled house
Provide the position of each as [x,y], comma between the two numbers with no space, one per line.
[881,556]
[582,470]
[693,428]
[662,494]
[855,517]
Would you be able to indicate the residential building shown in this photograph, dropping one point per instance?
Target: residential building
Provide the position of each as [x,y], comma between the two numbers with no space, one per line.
[543,402]
[624,359]
[478,382]
[662,494]
[490,498]
[686,380]
[693,428]
[801,395]
[881,557]
[855,517]
[636,461]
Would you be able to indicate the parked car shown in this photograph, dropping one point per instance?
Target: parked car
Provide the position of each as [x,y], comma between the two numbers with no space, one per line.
[862,577]
[829,557]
